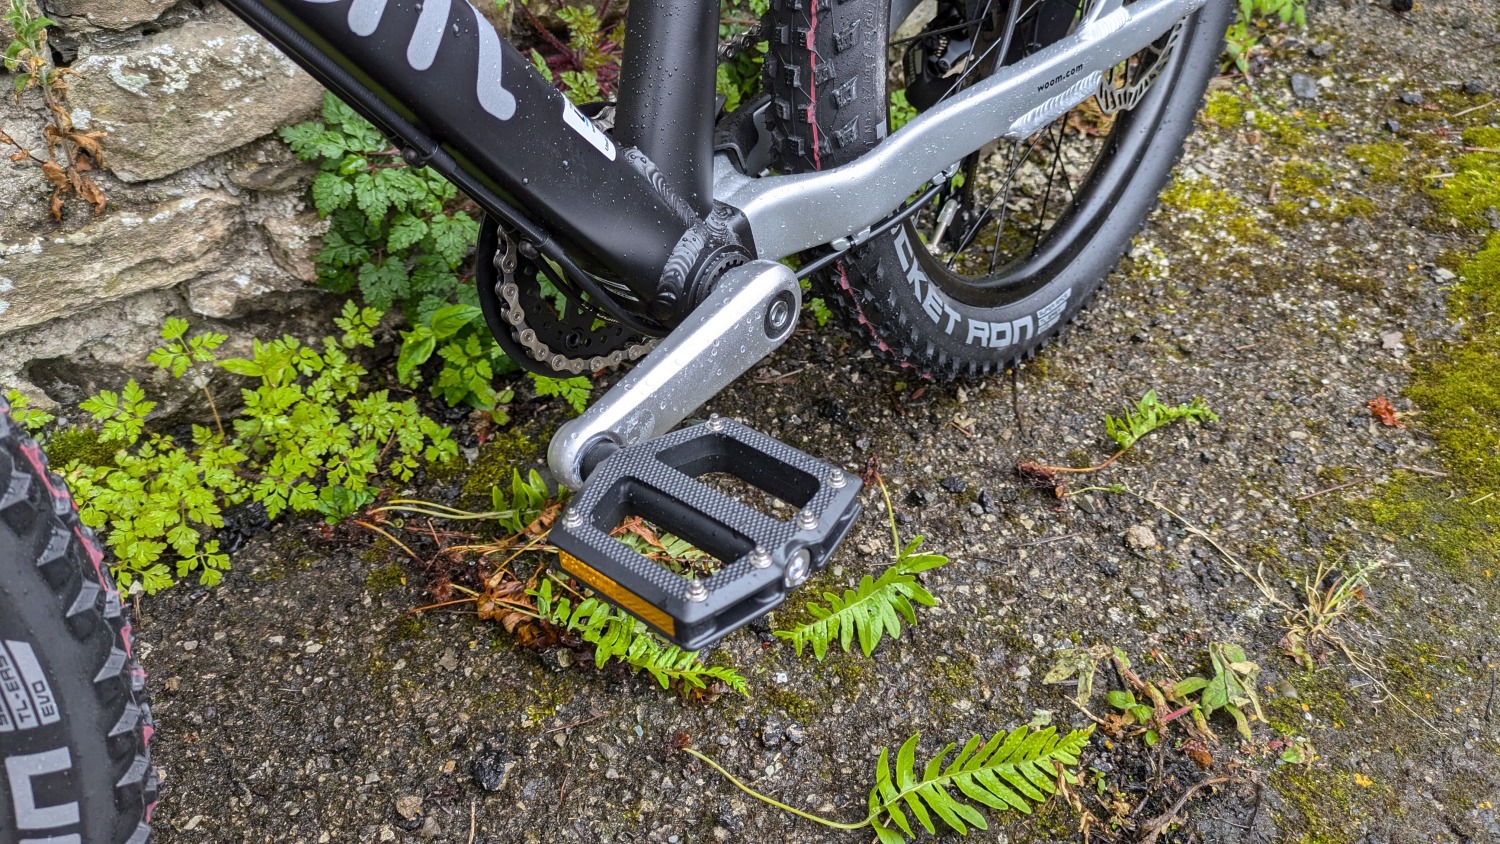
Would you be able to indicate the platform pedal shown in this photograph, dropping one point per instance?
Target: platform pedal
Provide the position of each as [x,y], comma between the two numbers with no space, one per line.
[762,557]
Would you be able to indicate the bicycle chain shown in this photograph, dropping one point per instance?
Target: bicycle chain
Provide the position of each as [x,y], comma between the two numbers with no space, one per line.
[732,48]
[507,262]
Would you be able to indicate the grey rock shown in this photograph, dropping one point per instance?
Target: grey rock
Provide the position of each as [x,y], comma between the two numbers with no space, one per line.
[1392,340]
[1411,98]
[1304,87]
[1321,50]
[796,734]
[105,14]
[1140,538]
[43,278]
[185,94]
[409,806]
[954,484]
[1475,87]
[491,768]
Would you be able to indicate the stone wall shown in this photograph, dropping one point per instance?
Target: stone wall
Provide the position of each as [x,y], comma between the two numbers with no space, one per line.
[206,215]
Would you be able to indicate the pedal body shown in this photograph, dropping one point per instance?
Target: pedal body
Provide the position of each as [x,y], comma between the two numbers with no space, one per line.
[761,558]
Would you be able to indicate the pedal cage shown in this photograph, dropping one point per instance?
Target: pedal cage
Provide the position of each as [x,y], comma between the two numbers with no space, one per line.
[763,558]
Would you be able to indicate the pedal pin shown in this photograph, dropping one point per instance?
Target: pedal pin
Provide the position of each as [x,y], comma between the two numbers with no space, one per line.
[836,479]
[715,422]
[807,520]
[798,569]
[696,591]
[573,518]
[760,558]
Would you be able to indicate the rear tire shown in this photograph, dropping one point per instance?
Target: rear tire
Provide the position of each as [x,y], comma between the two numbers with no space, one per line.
[75,728]
[827,68]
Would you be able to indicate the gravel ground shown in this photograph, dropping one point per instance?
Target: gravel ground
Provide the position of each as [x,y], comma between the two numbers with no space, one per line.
[299,702]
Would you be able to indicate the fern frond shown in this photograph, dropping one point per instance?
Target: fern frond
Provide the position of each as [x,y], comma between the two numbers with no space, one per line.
[1148,414]
[871,610]
[616,634]
[1012,770]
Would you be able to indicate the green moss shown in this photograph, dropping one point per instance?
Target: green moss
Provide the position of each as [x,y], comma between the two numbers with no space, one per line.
[497,458]
[1386,161]
[1290,132]
[1224,109]
[406,628]
[80,444]
[385,579]
[791,703]
[1458,387]
[1213,210]
[1324,804]
[1475,187]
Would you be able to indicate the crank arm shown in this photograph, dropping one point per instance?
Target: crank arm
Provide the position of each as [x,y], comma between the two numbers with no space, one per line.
[750,312]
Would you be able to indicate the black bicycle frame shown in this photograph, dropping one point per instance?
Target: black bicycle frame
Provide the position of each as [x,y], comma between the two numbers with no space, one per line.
[441,83]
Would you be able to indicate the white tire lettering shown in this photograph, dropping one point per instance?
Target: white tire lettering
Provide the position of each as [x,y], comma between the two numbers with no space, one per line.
[20,771]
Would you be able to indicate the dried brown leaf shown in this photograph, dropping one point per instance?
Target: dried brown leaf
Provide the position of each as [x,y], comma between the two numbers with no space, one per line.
[1380,408]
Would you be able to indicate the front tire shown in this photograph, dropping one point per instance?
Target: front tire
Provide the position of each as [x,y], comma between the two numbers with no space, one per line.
[827,68]
[75,728]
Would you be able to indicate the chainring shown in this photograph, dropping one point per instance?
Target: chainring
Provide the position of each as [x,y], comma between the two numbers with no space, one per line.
[552,337]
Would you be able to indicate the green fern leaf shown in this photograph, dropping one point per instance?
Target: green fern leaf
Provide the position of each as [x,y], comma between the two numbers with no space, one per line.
[1010,771]
[870,611]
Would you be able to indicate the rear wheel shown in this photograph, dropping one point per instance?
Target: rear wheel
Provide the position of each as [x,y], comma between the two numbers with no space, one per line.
[75,729]
[1024,233]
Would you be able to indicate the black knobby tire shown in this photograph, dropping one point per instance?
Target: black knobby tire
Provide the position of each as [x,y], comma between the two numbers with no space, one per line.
[75,728]
[826,69]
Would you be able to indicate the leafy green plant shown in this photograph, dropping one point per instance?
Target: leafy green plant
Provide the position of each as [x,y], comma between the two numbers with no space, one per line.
[397,234]
[586,67]
[870,611]
[1008,772]
[875,607]
[310,439]
[32,420]
[617,635]
[1254,17]
[573,391]
[1148,414]
[1140,419]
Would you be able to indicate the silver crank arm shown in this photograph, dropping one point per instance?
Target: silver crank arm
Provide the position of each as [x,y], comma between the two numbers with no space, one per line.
[788,214]
[751,311]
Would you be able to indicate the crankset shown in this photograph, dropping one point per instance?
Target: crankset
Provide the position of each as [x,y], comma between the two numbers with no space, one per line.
[625,461]
[553,335]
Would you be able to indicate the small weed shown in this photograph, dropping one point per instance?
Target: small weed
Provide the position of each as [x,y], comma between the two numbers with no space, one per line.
[617,635]
[873,609]
[309,439]
[1329,596]
[71,154]
[1140,420]
[1008,772]
[34,421]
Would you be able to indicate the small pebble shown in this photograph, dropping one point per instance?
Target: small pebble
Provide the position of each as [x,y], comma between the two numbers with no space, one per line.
[954,484]
[1475,87]
[1304,87]
[1140,538]
[1412,98]
[1321,50]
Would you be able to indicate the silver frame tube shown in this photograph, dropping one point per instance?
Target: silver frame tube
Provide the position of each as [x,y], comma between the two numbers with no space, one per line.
[788,214]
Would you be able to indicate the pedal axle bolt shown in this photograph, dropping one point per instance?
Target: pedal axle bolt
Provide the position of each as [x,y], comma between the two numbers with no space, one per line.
[798,569]
[715,422]
[807,519]
[572,519]
[696,591]
[760,558]
[837,480]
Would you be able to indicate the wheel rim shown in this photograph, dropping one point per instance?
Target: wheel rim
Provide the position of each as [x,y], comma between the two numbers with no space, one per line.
[1025,210]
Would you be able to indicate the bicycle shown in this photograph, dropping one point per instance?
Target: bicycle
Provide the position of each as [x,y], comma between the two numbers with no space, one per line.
[957,245]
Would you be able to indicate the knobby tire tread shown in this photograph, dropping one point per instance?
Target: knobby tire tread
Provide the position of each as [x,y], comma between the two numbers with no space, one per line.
[57,597]
[819,120]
